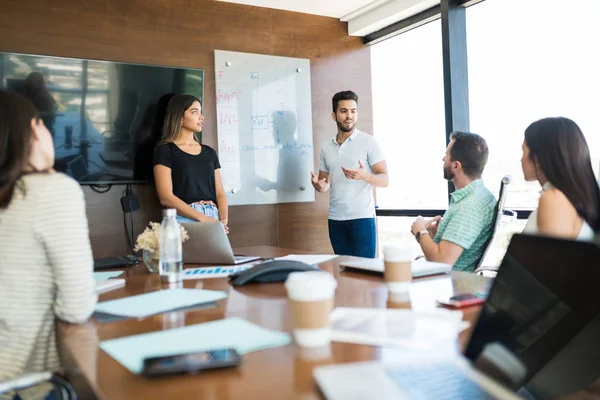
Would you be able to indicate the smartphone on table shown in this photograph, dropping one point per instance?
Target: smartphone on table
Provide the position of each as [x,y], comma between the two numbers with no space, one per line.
[463,300]
[191,363]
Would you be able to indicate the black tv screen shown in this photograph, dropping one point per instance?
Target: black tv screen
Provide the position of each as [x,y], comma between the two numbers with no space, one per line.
[102,115]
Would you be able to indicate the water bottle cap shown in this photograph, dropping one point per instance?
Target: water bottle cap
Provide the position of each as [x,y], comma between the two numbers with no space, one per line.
[169,212]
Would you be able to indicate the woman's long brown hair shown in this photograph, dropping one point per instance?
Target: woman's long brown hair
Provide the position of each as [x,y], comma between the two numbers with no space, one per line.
[16,113]
[175,111]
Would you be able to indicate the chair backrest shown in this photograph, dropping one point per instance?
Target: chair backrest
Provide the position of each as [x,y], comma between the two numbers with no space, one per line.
[498,212]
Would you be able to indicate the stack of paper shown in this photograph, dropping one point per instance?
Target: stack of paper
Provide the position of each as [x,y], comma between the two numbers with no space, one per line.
[228,333]
[397,328]
[108,285]
[310,259]
[160,301]
[105,284]
[102,276]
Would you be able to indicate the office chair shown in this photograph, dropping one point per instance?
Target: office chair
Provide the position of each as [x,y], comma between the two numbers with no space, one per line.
[62,389]
[499,211]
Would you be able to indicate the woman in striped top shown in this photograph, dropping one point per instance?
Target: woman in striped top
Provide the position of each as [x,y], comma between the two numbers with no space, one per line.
[46,264]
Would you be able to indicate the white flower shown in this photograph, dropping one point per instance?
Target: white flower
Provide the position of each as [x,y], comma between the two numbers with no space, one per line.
[149,239]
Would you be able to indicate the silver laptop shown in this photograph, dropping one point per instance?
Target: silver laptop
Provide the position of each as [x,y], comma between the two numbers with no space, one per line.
[423,377]
[541,304]
[419,267]
[208,244]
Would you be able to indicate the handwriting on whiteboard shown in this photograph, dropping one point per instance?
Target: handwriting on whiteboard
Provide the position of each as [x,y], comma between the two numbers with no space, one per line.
[301,148]
[228,97]
[226,148]
[260,122]
[226,118]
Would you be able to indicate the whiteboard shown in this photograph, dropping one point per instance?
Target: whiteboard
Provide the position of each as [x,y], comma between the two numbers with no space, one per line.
[264,127]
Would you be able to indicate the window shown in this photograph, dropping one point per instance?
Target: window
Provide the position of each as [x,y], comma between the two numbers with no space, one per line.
[408,118]
[529,60]
[395,230]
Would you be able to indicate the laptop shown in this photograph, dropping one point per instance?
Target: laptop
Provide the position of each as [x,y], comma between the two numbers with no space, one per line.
[77,168]
[543,310]
[208,244]
[420,267]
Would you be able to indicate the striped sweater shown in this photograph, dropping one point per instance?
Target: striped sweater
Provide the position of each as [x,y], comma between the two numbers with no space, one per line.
[46,271]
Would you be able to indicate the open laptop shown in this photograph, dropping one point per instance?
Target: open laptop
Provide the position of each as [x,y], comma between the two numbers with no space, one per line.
[208,244]
[543,309]
[419,267]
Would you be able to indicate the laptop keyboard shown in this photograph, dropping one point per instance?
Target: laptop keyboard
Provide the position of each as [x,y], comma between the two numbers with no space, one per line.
[439,382]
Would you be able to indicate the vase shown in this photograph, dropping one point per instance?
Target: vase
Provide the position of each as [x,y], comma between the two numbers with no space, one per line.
[151,260]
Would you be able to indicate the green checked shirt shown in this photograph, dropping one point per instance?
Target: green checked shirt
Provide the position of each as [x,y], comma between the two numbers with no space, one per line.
[468,223]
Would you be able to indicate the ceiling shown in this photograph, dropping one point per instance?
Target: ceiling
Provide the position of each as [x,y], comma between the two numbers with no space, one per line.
[329,8]
[363,16]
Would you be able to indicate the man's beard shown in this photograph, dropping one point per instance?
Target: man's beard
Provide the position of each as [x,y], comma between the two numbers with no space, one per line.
[345,128]
[448,174]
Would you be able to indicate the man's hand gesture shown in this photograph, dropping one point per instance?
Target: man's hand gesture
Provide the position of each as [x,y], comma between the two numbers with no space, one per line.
[317,183]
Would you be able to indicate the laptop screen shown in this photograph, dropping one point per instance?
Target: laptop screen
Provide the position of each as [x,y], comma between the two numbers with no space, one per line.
[545,294]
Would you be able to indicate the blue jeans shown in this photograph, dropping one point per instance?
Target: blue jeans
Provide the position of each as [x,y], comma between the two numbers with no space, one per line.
[354,237]
[207,209]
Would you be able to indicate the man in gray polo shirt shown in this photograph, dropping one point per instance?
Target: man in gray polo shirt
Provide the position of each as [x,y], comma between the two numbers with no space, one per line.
[351,165]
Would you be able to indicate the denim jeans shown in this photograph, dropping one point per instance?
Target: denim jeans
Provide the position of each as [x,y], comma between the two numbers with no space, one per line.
[207,209]
[354,237]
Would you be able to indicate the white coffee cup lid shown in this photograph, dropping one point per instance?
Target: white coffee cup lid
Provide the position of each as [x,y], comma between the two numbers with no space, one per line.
[310,286]
[397,253]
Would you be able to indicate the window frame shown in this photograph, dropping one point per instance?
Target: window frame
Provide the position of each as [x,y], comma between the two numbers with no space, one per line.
[456,87]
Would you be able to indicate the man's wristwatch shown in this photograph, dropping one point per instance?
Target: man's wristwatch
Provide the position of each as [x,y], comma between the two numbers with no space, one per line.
[420,234]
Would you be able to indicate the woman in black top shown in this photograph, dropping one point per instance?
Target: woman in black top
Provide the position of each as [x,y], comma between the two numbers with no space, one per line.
[187,173]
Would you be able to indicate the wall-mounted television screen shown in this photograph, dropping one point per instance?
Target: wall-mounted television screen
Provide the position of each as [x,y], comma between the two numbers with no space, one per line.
[102,115]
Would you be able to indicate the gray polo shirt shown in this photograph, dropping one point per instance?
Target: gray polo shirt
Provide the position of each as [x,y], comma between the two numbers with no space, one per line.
[349,198]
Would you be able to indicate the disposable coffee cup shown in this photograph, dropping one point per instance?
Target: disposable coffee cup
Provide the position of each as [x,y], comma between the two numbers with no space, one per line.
[399,300]
[397,273]
[311,297]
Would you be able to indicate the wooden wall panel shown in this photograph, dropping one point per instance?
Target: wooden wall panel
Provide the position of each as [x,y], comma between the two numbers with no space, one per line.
[105,218]
[185,33]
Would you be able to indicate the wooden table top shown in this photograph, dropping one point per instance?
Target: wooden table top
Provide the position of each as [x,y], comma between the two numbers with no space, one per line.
[278,373]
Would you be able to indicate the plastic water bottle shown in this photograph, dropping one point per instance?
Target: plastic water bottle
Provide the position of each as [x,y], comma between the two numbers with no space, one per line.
[171,260]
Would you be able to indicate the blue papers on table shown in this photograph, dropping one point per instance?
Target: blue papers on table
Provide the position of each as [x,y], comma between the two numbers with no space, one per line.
[214,272]
[310,259]
[102,276]
[235,333]
[228,270]
[147,304]
[105,284]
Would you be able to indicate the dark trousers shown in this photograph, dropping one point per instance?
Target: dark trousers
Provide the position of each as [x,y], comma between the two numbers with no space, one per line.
[354,237]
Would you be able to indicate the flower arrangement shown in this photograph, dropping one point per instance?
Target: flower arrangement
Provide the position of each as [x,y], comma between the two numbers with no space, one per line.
[148,240]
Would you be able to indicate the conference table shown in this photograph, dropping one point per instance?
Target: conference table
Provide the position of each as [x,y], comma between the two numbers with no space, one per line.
[277,373]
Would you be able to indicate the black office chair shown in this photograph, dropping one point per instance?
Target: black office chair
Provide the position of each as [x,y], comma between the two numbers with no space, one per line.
[499,211]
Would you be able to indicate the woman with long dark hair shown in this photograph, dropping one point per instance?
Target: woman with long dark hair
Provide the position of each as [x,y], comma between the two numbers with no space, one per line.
[187,174]
[46,264]
[556,154]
